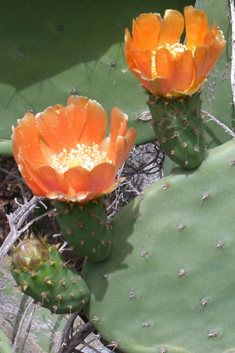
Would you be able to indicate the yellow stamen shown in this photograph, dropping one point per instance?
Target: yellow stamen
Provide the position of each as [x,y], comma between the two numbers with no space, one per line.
[173,49]
[84,156]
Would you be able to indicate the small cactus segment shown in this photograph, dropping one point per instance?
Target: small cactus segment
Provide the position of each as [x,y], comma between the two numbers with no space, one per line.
[84,226]
[168,284]
[41,273]
[180,129]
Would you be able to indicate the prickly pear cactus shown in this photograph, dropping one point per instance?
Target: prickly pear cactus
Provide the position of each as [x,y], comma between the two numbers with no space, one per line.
[179,127]
[41,273]
[85,228]
[168,285]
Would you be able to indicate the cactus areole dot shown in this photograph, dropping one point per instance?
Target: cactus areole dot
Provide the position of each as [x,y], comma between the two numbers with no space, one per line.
[164,66]
[65,153]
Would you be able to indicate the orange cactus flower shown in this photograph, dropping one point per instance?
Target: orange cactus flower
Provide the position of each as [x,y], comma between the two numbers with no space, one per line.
[166,67]
[65,153]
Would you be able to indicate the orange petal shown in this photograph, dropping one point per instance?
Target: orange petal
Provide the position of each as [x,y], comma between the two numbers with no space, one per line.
[200,59]
[145,81]
[161,86]
[129,140]
[215,49]
[146,29]
[128,51]
[172,27]
[96,124]
[31,179]
[79,101]
[143,61]
[123,147]
[25,141]
[78,179]
[52,179]
[184,71]
[118,126]
[61,127]
[196,25]
[164,63]
[102,177]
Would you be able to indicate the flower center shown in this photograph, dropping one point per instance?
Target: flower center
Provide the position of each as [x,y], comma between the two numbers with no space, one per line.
[81,156]
[173,49]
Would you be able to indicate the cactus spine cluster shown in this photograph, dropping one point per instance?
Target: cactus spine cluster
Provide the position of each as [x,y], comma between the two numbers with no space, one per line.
[40,272]
[179,128]
[85,227]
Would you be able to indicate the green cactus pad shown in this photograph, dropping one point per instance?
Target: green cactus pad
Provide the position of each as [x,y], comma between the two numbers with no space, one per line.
[169,283]
[85,228]
[50,282]
[179,128]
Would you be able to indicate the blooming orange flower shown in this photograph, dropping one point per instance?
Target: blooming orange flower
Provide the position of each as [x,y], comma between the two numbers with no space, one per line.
[166,67]
[65,153]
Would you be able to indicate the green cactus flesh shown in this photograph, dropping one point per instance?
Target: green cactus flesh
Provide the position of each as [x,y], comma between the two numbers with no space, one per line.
[169,282]
[179,128]
[49,281]
[85,228]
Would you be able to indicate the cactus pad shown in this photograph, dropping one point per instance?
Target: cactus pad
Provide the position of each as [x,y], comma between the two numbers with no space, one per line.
[84,226]
[179,128]
[169,282]
[41,273]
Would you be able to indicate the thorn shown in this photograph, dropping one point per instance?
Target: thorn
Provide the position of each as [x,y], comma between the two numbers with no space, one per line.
[181,273]
[25,285]
[145,324]
[212,334]
[204,302]
[48,281]
[164,186]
